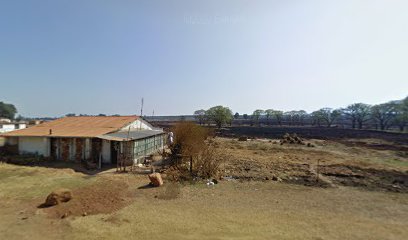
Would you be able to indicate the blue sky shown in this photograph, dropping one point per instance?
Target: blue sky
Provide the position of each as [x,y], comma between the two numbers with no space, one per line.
[94,56]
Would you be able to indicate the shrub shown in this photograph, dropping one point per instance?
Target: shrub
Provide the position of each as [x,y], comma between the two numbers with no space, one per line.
[190,143]
[189,139]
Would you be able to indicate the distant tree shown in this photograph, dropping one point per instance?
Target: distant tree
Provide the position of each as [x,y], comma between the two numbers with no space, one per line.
[383,114]
[101,115]
[19,118]
[269,114]
[400,116]
[7,110]
[199,115]
[358,113]
[301,115]
[236,115]
[279,116]
[219,115]
[288,117]
[295,117]
[245,116]
[326,115]
[71,115]
[257,114]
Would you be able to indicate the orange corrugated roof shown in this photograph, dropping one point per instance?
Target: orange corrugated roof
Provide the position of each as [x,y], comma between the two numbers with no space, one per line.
[84,126]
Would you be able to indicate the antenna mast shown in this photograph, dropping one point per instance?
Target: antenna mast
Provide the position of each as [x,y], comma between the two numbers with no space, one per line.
[141,109]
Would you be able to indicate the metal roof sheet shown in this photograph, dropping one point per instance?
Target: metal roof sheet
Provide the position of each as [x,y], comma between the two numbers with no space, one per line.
[83,126]
[130,135]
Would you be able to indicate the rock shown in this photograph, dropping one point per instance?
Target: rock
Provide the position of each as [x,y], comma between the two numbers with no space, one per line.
[58,196]
[156,179]
[215,181]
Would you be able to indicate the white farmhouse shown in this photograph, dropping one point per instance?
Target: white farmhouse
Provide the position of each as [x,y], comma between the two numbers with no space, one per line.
[99,139]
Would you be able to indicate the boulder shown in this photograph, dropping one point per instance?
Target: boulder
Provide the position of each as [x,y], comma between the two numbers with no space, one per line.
[58,196]
[156,179]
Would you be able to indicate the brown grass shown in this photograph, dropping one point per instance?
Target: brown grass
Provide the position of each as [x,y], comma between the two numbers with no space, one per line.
[233,209]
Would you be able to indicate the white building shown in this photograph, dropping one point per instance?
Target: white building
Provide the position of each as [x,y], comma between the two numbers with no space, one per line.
[98,139]
[6,125]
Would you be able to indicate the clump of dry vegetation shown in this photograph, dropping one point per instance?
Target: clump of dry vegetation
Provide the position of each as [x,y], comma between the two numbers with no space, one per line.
[291,139]
[194,154]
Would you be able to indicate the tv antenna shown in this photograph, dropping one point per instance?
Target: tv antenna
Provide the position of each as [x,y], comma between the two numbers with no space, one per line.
[141,109]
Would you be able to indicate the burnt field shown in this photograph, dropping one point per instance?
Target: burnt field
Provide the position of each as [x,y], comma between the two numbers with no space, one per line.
[369,160]
[315,133]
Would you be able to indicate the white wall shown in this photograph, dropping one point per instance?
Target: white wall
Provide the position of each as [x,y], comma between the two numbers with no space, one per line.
[106,151]
[8,127]
[138,124]
[34,145]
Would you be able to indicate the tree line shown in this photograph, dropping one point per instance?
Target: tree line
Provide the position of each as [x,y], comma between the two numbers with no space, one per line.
[392,114]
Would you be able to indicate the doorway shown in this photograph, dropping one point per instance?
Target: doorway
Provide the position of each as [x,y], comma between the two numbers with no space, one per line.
[114,152]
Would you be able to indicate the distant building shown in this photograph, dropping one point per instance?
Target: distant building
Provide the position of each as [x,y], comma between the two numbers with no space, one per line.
[6,125]
[99,139]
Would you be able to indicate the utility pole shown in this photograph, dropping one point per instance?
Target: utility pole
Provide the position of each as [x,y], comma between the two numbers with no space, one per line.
[141,109]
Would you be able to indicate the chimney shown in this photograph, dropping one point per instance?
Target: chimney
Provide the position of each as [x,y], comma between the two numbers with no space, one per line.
[50,131]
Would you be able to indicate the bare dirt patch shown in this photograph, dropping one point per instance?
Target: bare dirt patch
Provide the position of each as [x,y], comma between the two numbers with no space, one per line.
[102,197]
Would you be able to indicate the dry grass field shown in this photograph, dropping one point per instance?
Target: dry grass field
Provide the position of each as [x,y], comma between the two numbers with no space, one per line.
[361,194]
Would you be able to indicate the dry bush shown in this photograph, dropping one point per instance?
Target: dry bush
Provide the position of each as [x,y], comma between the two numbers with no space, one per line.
[208,163]
[189,139]
[190,142]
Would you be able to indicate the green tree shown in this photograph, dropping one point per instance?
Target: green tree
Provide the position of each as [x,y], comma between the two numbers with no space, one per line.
[296,117]
[326,115]
[402,119]
[269,114]
[279,116]
[7,110]
[383,114]
[257,114]
[358,113]
[219,115]
[301,115]
[200,116]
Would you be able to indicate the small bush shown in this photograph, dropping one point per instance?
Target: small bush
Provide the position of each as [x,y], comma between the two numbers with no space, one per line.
[191,142]
[189,139]
[208,163]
